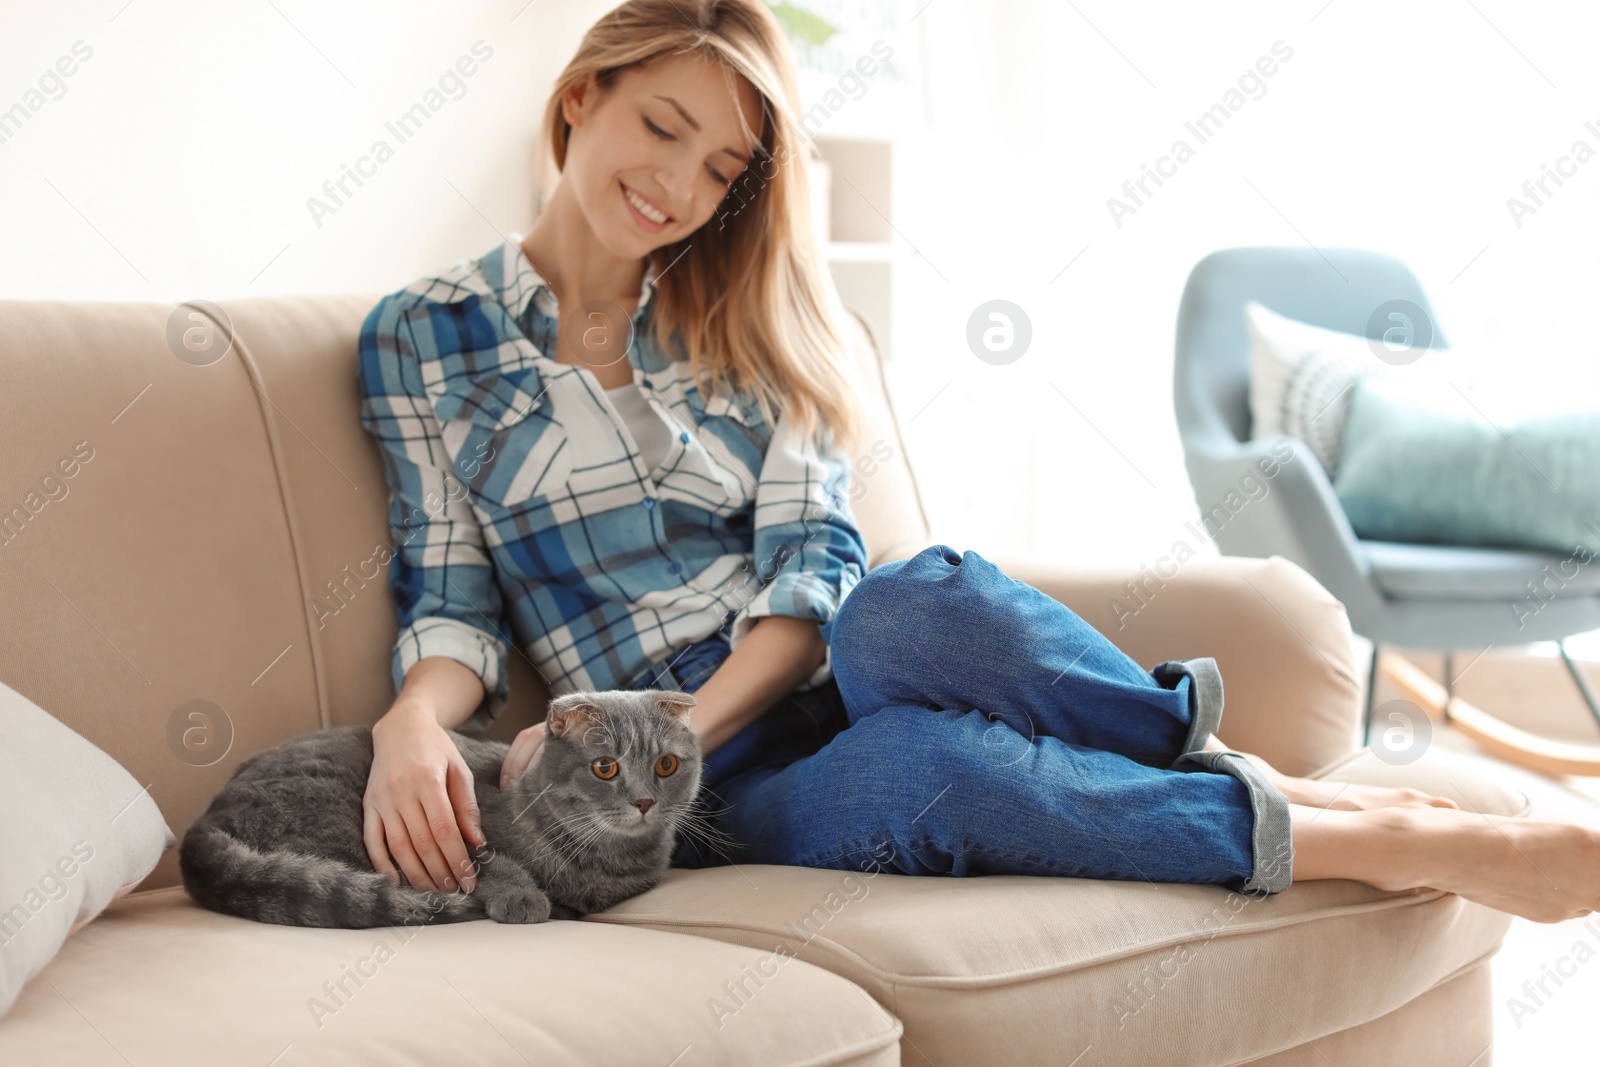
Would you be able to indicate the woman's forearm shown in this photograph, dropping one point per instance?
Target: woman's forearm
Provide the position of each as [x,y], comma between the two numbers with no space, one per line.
[778,653]
[441,688]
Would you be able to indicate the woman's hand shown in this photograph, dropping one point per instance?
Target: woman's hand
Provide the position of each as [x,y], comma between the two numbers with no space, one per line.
[419,802]
[523,750]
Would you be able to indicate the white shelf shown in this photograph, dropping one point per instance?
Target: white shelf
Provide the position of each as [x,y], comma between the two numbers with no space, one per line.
[855,203]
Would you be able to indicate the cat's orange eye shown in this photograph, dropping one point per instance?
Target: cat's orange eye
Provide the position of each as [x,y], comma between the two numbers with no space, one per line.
[666,765]
[605,767]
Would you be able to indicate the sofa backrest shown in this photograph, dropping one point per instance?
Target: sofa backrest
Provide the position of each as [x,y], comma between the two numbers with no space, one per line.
[189,555]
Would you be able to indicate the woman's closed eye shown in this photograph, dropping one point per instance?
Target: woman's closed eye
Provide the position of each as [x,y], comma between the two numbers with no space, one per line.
[665,136]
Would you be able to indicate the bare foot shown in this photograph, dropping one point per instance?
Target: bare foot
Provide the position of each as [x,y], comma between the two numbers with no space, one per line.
[1353,796]
[1342,796]
[1544,871]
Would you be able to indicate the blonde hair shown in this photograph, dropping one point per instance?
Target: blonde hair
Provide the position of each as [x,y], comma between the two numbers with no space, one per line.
[753,306]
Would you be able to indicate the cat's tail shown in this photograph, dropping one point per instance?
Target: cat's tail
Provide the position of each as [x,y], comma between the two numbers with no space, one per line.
[224,874]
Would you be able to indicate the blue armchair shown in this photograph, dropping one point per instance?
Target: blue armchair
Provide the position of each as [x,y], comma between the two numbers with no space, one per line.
[1422,596]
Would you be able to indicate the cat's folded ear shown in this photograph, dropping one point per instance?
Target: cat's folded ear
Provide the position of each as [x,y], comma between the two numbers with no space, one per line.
[677,703]
[574,711]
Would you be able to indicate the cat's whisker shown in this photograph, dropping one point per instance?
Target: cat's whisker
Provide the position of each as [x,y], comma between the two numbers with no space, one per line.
[588,843]
[580,825]
[726,856]
[531,803]
[714,838]
[564,828]
[697,804]
[711,836]
[561,822]
[559,830]
[698,810]
[582,841]
[696,817]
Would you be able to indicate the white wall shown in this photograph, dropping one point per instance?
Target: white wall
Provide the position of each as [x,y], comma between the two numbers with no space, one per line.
[1399,127]
[180,158]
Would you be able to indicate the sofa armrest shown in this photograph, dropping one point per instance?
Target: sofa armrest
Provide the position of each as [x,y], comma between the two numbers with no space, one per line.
[1291,681]
[906,549]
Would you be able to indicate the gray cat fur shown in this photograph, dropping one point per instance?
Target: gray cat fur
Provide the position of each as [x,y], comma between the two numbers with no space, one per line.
[282,840]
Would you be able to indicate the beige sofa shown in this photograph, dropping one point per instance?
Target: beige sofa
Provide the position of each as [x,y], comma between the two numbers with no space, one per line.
[220,546]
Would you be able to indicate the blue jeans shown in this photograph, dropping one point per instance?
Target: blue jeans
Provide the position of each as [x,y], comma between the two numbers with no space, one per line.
[976,725]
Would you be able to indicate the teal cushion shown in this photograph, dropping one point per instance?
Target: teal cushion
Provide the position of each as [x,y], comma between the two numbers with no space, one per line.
[1427,464]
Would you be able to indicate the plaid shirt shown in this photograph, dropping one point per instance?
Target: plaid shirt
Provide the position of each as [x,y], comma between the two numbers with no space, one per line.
[521,514]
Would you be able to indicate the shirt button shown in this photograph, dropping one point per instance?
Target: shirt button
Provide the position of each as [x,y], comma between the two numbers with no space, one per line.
[649,501]
[684,436]
[647,383]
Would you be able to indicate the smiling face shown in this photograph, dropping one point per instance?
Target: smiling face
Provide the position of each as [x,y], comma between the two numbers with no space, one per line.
[651,159]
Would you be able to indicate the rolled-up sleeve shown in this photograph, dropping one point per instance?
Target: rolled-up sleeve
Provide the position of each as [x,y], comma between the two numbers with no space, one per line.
[445,591]
[809,552]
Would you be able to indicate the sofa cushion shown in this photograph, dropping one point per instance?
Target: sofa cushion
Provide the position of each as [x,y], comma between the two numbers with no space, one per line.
[157,979]
[1140,972]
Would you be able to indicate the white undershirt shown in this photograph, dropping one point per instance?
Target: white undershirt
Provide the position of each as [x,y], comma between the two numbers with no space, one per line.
[649,431]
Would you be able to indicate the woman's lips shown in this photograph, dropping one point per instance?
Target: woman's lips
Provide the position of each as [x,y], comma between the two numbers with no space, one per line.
[649,225]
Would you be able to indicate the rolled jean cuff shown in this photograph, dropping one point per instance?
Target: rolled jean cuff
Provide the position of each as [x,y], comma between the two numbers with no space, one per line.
[1205,697]
[1272,839]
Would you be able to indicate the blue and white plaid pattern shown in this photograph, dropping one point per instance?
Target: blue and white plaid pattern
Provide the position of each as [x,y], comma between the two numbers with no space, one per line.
[521,514]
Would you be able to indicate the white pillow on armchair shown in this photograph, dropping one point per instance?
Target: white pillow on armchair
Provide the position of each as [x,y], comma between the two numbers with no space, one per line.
[1300,378]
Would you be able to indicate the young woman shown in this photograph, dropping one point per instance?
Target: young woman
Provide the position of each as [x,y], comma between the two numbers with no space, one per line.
[593,432]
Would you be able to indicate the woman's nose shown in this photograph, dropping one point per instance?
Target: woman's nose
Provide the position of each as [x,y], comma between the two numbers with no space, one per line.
[678,188]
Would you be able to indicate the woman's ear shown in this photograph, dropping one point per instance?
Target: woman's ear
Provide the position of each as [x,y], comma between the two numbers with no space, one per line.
[573,99]
[573,711]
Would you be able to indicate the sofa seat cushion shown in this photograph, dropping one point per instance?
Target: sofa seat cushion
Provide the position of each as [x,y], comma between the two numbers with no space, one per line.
[1025,969]
[156,979]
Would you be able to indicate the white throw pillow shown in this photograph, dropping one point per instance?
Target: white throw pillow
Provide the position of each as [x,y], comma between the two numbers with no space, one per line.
[76,832]
[1300,378]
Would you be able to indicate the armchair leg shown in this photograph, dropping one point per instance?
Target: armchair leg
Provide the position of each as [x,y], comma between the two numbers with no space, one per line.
[1372,686]
[1501,739]
[1449,681]
[1584,685]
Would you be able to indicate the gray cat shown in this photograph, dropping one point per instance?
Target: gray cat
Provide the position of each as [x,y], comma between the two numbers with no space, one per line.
[592,822]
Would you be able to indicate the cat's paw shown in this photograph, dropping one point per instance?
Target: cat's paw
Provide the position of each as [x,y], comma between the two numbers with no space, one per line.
[518,906]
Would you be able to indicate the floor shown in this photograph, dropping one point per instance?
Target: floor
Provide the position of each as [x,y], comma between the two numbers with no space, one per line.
[1558,1029]
[1556,1024]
